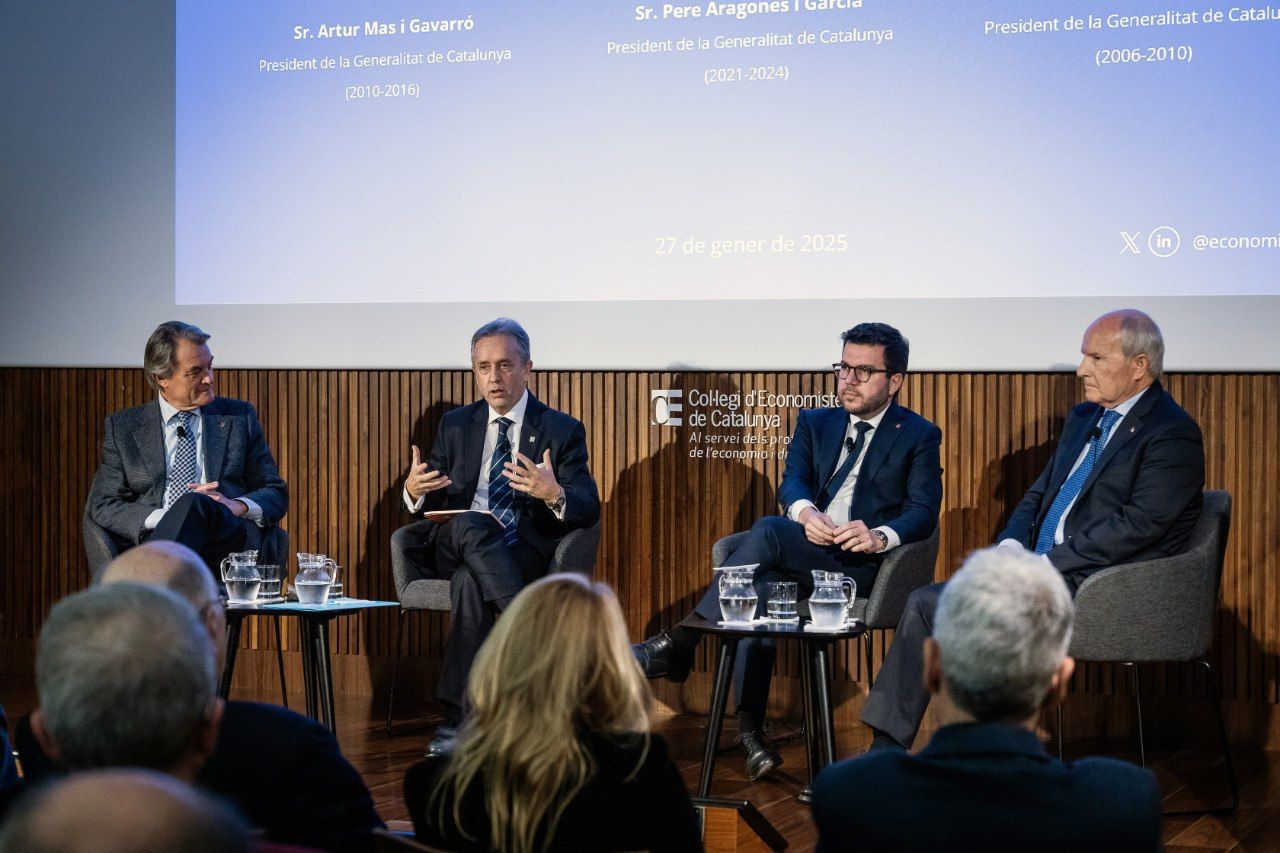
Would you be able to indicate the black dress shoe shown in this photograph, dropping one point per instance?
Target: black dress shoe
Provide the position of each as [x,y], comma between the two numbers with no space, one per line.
[442,742]
[660,657]
[762,758]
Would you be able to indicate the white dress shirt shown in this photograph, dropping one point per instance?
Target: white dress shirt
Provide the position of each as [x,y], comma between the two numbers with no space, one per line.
[481,500]
[1122,410]
[170,422]
[840,505]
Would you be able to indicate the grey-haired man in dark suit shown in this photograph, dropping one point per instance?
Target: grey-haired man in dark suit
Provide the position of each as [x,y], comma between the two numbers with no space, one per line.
[523,466]
[188,466]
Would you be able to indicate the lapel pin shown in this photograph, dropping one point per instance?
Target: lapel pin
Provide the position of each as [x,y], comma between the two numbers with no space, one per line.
[1133,429]
[897,426]
[531,438]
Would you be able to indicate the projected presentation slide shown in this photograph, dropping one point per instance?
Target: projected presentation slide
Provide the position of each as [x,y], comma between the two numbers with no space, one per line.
[785,149]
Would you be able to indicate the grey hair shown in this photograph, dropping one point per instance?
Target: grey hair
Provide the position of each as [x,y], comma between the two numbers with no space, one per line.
[125,677]
[160,357]
[1002,627]
[1139,335]
[510,328]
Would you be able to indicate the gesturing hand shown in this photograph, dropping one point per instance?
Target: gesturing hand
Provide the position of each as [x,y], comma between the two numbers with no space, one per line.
[420,479]
[537,481]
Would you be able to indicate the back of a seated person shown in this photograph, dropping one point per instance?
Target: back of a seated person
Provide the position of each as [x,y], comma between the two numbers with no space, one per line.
[634,800]
[985,781]
[555,752]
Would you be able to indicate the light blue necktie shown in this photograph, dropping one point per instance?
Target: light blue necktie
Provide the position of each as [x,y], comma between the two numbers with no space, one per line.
[184,460]
[500,492]
[1071,488]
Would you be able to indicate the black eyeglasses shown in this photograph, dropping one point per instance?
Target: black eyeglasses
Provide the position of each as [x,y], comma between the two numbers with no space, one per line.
[862,371]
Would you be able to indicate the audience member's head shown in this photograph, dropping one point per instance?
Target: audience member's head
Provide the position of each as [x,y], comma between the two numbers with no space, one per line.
[557,663]
[125,677]
[130,811]
[1000,636]
[176,567]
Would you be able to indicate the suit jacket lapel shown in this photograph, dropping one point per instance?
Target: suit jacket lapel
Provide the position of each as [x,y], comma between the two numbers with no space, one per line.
[148,435]
[473,448]
[834,428]
[531,439]
[883,438]
[1123,432]
[214,430]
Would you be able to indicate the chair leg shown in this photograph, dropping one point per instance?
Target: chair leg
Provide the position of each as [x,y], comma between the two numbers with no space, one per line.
[867,643]
[284,690]
[1059,727]
[1137,698]
[395,668]
[1222,733]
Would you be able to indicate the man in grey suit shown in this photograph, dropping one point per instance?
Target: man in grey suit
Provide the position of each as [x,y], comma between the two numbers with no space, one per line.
[188,466]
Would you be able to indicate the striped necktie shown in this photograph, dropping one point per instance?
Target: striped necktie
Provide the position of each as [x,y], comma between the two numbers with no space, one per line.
[501,495]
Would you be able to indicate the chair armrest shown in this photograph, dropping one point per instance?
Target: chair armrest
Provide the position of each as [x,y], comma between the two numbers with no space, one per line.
[576,551]
[403,570]
[725,546]
[99,547]
[904,570]
[1158,609]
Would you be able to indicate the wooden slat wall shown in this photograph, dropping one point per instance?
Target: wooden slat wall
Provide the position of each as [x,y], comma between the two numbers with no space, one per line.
[342,438]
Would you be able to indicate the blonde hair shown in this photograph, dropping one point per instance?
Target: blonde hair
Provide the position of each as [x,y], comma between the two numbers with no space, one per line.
[557,664]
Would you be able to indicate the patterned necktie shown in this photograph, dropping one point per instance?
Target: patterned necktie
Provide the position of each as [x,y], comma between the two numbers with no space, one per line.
[184,459]
[500,493]
[832,488]
[1071,488]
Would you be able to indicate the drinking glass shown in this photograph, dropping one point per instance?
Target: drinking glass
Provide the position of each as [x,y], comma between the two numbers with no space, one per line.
[782,600]
[271,578]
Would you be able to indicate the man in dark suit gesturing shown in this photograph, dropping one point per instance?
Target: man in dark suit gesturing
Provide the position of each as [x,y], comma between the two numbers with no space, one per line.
[523,467]
[861,479]
[1124,484]
[188,466]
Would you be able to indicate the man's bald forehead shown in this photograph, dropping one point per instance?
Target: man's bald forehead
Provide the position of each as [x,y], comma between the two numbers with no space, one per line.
[168,564]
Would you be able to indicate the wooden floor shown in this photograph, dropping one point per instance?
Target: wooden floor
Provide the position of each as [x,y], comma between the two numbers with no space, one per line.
[1189,779]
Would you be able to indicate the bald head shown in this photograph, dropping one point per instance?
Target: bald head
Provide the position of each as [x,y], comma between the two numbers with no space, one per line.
[178,569]
[123,810]
[168,564]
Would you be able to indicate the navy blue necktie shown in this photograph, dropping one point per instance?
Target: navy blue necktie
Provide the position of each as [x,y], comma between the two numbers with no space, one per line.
[500,492]
[833,485]
[1071,488]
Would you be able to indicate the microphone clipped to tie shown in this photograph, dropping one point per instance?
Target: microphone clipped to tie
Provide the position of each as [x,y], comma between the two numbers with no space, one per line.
[182,431]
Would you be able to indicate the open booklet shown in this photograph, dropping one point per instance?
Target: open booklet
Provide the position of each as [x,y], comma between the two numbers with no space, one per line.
[440,516]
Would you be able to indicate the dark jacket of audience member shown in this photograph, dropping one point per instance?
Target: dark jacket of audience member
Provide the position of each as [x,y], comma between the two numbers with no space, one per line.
[985,786]
[996,661]
[284,771]
[636,800]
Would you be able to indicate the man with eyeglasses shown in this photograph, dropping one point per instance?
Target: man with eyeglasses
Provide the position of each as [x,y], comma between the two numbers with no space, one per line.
[189,466]
[522,466]
[861,479]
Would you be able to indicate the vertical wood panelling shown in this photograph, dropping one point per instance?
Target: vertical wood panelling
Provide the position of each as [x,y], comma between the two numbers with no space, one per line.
[342,440]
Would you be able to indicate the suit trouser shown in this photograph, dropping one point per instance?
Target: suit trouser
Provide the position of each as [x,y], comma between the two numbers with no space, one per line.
[778,544]
[897,702]
[205,526]
[484,574]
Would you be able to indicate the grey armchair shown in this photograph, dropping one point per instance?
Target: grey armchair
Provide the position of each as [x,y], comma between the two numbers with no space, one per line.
[904,570]
[575,553]
[1160,611]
